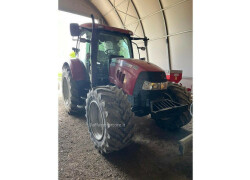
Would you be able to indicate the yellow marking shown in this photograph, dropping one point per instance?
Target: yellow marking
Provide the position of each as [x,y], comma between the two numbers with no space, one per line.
[73,54]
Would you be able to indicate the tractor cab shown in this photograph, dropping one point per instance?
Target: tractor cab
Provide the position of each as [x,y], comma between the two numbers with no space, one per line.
[107,42]
[110,43]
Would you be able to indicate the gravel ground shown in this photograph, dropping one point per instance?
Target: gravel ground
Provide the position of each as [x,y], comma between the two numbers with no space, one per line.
[152,155]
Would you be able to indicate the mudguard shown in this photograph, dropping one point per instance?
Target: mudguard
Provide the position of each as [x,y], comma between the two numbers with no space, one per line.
[78,70]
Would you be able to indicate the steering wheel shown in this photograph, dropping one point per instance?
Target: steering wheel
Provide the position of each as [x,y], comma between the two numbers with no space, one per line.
[107,51]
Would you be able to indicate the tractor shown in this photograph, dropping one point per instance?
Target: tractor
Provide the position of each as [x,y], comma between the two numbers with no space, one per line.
[110,86]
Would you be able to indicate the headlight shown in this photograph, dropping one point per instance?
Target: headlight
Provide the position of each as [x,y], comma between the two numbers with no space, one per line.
[154,86]
[164,85]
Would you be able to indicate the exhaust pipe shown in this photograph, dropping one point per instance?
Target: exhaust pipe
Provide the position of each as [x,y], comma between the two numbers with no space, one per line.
[94,47]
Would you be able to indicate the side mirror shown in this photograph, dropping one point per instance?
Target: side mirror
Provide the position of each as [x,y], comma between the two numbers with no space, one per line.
[75,29]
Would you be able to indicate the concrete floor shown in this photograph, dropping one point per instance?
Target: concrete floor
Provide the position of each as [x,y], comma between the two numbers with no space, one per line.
[152,155]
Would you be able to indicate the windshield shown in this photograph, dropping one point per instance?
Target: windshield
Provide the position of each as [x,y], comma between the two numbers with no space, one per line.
[110,45]
[114,45]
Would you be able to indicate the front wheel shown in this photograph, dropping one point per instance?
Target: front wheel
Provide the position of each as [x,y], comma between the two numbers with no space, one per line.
[109,119]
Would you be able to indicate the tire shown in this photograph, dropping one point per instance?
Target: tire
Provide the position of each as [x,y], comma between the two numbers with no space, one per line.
[70,92]
[179,94]
[108,106]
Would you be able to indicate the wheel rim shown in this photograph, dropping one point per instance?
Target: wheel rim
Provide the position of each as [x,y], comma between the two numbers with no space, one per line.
[96,121]
[65,91]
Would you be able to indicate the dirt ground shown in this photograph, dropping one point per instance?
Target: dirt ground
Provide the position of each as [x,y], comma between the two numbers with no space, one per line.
[152,155]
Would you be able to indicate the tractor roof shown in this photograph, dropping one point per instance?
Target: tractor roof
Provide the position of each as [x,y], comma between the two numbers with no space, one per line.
[107,28]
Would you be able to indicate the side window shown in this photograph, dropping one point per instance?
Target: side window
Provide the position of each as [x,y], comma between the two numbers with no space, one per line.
[101,47]
[82,48]
[86,60]
[104,50]
[124,51]
[84,53]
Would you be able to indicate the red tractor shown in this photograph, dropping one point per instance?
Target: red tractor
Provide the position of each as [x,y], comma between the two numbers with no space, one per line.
[113,86]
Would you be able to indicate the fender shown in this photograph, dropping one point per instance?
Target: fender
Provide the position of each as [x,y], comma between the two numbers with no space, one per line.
[78,70]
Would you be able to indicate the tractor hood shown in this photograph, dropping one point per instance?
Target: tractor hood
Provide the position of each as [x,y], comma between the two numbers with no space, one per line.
[140,65]
[125,73]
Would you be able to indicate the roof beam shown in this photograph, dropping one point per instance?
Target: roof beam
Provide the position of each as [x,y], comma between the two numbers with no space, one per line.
[167,39]
[126,14]
[132,2]
[114,7]
[170,35]
[117,13]
[140,19]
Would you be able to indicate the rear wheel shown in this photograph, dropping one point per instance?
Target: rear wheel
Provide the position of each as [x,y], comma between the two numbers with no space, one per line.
[109,119]
[179,94]
[70,92]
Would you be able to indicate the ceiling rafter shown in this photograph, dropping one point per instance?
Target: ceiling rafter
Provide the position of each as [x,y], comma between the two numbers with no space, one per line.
[117,14]
[114,7]
[127,14]
[170,35]
[136,27]
[154,13]
[166,31]
[143,31]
